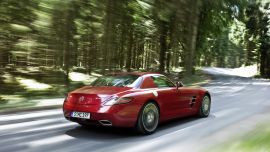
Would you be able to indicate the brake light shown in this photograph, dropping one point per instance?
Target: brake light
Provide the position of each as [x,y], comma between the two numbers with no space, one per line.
[116,100]
[124,100]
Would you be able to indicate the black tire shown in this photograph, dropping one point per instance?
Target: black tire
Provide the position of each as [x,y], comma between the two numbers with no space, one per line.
[148,119]
[205,106]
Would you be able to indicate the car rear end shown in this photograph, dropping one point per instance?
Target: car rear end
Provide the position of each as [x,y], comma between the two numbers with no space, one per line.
[93,109]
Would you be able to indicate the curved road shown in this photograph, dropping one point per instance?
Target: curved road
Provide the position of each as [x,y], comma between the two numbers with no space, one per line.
[238,104]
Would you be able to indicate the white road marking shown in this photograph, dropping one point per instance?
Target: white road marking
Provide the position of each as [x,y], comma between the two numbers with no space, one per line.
[225,112]
[52,127]
[50,140]
[26,124]
[45,128]
[29,115]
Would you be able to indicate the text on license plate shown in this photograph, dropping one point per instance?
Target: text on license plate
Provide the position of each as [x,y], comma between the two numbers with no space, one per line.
[84,115]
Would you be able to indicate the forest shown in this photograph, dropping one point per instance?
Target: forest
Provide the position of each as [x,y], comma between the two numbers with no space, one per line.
[105,36]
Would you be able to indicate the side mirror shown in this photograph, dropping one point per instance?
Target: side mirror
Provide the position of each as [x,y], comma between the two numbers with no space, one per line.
[179,84]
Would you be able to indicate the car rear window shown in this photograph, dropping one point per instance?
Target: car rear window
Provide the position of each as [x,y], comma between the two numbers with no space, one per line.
[118,80]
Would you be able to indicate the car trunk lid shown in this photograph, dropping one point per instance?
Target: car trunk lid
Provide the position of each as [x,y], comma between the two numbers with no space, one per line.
[93,95]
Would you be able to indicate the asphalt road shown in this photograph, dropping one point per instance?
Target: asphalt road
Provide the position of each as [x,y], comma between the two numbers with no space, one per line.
[238,104]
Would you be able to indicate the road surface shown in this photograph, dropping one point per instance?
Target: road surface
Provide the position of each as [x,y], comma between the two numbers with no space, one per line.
[238,104]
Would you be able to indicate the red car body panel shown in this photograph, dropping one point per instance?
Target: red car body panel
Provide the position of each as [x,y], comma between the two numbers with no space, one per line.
[172,102]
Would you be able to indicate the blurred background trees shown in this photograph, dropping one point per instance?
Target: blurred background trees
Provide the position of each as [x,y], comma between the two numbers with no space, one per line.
[151,35]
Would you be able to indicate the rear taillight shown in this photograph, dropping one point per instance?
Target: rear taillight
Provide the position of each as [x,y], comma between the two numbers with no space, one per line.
[116,100]
[124,100]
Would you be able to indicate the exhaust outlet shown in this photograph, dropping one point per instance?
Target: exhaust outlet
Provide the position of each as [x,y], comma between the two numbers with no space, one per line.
[105,122]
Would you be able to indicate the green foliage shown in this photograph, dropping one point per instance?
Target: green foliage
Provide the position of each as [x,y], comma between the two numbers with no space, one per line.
[108,35]
[15,24]
[257,36]
[256,140]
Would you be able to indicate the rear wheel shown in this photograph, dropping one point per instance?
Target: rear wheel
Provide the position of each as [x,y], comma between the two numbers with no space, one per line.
[148,118]
[205,107]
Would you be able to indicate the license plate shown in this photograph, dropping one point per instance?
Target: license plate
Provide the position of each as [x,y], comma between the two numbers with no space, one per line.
[83,115]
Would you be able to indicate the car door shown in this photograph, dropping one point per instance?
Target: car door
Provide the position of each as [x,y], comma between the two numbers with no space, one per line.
[188,98]
[167,96]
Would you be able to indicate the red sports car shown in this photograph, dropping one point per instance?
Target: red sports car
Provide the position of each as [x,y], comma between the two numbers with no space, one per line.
[140,100]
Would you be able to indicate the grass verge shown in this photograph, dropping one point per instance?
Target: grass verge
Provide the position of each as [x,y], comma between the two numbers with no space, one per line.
[257,140]
[198,79]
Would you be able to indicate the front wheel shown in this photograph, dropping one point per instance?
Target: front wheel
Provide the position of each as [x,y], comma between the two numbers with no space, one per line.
[205,107]
[148,118]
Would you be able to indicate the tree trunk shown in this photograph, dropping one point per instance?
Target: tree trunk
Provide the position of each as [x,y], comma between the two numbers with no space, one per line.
[107,36]
[129,50]
[172,40]
[122,45]
[163,46]
[191,39]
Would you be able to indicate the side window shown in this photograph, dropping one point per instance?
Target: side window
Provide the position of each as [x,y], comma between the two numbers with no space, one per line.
[161,81]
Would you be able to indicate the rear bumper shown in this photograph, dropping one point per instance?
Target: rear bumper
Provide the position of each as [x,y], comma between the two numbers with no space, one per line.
[124,115]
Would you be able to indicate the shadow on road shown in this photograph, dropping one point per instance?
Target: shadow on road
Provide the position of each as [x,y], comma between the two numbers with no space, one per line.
[101,133]
[108,133]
